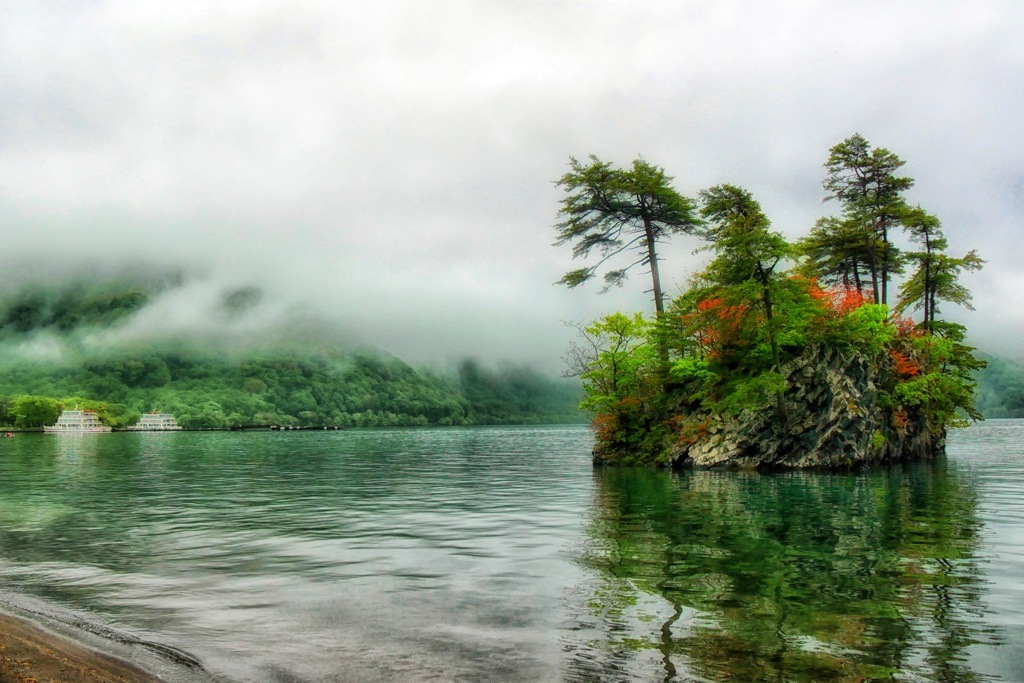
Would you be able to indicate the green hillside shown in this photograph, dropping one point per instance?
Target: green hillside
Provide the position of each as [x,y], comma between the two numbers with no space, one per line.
[310,379]
[1000,388]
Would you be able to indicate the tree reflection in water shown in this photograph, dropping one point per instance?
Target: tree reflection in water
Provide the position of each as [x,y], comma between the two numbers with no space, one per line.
[786,577]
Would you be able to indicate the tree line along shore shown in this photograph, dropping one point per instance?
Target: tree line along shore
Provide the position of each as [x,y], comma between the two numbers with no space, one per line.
[286,389]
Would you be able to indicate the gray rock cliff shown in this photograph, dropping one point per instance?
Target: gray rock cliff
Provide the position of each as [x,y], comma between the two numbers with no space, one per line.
[835,421]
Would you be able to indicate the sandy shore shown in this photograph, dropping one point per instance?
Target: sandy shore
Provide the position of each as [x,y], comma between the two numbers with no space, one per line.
[29,654]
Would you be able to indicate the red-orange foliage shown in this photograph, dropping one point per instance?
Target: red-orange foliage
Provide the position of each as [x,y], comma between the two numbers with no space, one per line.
[906,327]
[814,290]
[708,304]
[605,425]
[846,299]
[689,432]
[839,299]
[628,404]
[716,324]
[905,365]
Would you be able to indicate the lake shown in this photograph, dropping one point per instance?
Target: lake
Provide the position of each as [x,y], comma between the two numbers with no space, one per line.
[500,554]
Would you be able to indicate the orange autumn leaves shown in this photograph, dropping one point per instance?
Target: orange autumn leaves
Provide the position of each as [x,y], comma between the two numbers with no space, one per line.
[904,365]
[718,327]
[838,300]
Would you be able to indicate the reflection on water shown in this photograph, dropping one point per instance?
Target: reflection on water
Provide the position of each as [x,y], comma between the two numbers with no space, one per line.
[502,555]
[793,577]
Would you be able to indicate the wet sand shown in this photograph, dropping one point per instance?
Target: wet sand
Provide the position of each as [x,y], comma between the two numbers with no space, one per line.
[29,654]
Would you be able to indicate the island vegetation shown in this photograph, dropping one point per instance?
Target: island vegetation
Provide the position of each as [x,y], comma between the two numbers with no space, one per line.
[311,378]
[780,353]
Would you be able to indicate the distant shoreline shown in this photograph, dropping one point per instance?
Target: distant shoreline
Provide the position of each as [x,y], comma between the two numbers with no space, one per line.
[277,428]
[237,428]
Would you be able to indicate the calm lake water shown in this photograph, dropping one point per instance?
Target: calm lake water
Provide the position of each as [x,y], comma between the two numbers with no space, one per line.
[500,554]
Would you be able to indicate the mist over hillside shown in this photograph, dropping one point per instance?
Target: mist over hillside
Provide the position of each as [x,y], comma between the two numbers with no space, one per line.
[1001,388]
[219,352]
[98,313]
[436,319]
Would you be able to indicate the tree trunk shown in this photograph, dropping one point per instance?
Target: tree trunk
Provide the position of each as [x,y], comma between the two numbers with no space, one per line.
[873,268]
[929,299]
[659,302]
[885,263]
[652,258]
[766,297]
[929,296]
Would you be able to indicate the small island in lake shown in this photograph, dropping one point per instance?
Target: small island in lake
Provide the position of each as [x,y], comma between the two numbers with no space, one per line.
[780,354]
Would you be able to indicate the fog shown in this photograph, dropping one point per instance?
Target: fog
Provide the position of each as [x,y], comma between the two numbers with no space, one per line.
[388,169]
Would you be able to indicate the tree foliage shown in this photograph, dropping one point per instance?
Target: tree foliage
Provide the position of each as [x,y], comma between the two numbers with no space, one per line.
[744,269]
[864,182]
[837,252]
[936,277]
[613,212]
[60,310]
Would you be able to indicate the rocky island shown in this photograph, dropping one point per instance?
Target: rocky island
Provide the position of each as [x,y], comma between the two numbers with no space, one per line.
[780,354]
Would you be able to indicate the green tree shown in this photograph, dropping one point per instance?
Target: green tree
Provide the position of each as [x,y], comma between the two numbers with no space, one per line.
[35,411]
[623,386]
[865,183]
[616,211]
[147,371]
[937,276]
[836,252]
[1001,388]
[613,358]
[7,416]
[254,386]
[207,414]
[748,253]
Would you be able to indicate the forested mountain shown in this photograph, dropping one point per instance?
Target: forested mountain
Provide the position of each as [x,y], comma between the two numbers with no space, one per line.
[73,345]
[1000,388]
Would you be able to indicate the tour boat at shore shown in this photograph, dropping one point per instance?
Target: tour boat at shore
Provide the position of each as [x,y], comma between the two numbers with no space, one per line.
[156,422]
[76,422]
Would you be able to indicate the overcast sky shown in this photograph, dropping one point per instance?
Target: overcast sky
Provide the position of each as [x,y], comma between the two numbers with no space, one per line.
[390,165]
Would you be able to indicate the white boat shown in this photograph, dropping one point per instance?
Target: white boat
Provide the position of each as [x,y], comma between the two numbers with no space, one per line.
[156,422]
[76,422]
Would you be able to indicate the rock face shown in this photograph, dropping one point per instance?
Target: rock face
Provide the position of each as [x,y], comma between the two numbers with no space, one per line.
[834,422]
